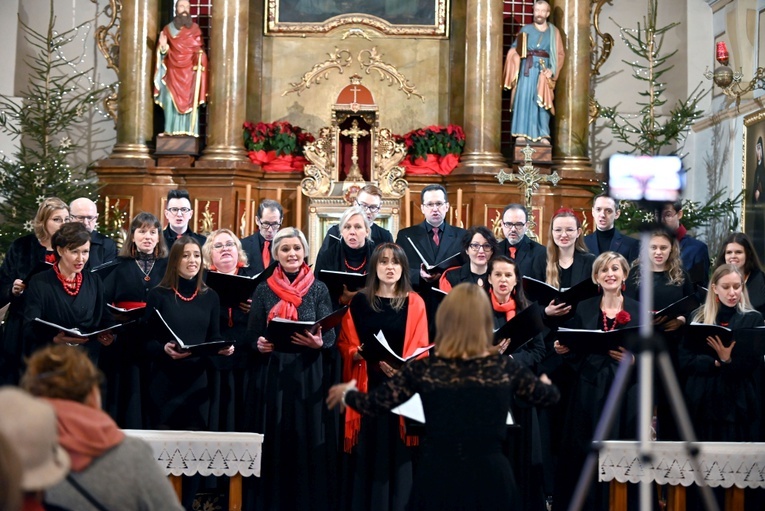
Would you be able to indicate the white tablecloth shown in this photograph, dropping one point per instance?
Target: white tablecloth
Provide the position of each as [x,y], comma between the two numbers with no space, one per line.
[722,464]
[206,453]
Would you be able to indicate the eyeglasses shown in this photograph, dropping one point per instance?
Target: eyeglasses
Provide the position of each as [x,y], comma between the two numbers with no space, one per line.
[220,246]
[518,225]
[78,218]
[175,211]
[270,225]
[434,205]
[368,207]
[477,246]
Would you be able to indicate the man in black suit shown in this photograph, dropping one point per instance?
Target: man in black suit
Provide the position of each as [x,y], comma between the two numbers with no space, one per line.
[102,248]
[434,238]
[257,246]
[530,256]
[369,199]
[605,211]
[178,213]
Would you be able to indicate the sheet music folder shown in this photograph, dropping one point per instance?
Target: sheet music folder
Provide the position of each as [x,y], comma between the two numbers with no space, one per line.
[202,349]
[76,332]
[696,337]
[235,289]
[378,350]
[445,264]
[334,280]
[595,341]
[544,293]
[683,307]
[280,331]
[526,325]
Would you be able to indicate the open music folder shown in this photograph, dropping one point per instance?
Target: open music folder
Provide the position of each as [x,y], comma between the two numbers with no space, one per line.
[235,289]
[378,349]
[440,267]
[280,331]
[202,349]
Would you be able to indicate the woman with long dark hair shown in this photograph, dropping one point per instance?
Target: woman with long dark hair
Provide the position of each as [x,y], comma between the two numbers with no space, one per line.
[380,471]
[737,249]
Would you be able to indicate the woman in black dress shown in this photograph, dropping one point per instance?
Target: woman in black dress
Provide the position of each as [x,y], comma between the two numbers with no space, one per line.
[466,393]
[737,249]
[142,262]
[66,296]
[295,473]
[595,374]
[480,245]
[179,393]
[25,255]
[380,465]
[223,253]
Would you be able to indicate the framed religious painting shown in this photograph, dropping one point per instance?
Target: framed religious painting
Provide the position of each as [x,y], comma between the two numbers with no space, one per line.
[754,180]
[420,18]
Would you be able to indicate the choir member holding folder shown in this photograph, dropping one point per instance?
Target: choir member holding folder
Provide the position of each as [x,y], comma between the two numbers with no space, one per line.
[720,384]
[466,393]
[595,374]
[295,473]
[480,245]
[26,255]
[223,254]
[67,296]
[141,264]
[379,472]
[180,398]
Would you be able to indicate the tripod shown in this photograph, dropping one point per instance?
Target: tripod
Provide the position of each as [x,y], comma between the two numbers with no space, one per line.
[649,350]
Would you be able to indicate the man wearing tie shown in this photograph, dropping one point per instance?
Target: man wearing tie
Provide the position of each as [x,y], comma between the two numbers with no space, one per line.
[258,245]
[434,238]
[605,211]
[530,256]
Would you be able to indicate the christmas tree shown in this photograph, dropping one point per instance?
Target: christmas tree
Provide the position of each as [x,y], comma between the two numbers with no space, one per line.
[45,123]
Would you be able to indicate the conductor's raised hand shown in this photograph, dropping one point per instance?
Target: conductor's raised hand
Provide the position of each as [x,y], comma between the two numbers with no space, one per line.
[174,353]
[387,369]
[264,346]
[336,394]
[308,339]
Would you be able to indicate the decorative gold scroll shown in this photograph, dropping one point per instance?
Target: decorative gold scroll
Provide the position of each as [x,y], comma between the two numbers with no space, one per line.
[371,60]
[108,41]
[608,41]
[337,60]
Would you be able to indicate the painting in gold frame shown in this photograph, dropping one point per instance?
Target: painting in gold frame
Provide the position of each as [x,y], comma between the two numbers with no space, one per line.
[420,18]
[754,180]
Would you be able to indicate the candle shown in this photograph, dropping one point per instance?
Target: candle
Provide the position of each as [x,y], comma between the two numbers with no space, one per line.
[721,53]
[247,210]
[298,208]
[459,208]
[407,211]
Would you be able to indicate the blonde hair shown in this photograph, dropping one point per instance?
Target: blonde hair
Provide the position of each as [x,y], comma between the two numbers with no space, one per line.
[60,372]
[674,264]
[708,313]
[552,272]
[207,248]
[607,258]
[464,323]
[44,212]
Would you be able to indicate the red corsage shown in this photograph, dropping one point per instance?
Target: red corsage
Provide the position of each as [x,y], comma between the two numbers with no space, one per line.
[622,318]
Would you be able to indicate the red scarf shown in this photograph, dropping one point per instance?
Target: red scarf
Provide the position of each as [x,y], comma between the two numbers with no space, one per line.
[508,307]
[290,293]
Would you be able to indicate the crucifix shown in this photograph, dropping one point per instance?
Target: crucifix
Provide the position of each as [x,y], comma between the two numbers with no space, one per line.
[355,134]
[528,178]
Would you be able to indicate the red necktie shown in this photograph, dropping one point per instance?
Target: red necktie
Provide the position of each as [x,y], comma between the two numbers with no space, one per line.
[512,251]
[266,254]
[436,239]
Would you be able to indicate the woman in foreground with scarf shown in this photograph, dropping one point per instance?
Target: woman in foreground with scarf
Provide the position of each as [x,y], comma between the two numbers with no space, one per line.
[295,457]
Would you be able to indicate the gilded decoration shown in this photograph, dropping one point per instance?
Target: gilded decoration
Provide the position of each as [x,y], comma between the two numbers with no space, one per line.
[370,61]
[604,50]
[337,60]
[321,156]
[420,18]
[108,41]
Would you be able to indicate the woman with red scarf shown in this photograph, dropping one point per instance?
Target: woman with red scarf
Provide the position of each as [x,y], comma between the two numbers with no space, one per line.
[296,462]
[379,475]
[595,375]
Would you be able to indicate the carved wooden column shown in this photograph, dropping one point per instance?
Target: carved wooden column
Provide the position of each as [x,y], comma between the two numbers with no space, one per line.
[570,153]
[135,105]
[483,88]
[228,84]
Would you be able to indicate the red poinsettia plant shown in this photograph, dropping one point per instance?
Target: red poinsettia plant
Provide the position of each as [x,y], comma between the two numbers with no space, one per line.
[435,149]
[276,146]
[622,318]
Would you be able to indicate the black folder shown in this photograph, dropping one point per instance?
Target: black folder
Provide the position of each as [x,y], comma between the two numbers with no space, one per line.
[235,289]
[599,342]
[105,269]
[202,349]
[696,337]
[683,307]
[440,267]
[544,293]
[377,349]
[133,314]
[38,268]
[74,331]
[526,325]
[335,280]
[280,331]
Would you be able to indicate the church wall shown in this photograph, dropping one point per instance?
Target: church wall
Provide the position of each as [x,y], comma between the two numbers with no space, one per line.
[9,39]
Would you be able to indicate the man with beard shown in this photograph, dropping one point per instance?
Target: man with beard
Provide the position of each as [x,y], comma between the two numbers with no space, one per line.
[532,77]
[180,84]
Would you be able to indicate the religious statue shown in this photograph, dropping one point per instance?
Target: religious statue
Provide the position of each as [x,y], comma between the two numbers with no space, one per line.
[180,78]
[532,67]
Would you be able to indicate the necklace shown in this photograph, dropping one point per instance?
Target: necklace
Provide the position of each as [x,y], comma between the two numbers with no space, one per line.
[606,327]
[147,271]
[179,295]
[356,268]
[71,287]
